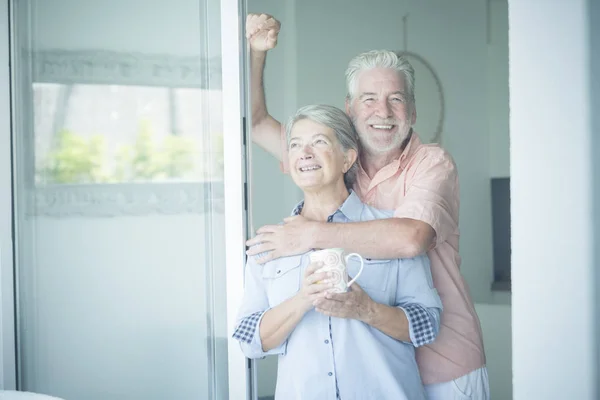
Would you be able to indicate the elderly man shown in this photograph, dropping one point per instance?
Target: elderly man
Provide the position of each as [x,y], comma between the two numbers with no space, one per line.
[396,171]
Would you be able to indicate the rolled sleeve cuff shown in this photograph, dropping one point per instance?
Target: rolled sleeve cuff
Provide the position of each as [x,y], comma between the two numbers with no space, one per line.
[423,324]
[430,213]
[248,334]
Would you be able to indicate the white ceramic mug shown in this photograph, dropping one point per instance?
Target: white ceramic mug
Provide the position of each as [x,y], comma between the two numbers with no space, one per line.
[335,261]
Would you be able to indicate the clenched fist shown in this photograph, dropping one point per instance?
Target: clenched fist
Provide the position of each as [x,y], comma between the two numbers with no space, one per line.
[262,31]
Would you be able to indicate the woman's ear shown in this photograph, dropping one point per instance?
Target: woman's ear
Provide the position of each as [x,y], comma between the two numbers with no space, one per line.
[350,159]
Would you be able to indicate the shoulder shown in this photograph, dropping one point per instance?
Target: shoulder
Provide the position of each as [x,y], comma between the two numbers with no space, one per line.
[434,153]
[431,159]
[252,259]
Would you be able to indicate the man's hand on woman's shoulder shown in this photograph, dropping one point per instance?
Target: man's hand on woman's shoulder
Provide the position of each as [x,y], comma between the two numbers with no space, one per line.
[294,236]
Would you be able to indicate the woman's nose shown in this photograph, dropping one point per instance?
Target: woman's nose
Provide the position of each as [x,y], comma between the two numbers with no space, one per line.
[307,152]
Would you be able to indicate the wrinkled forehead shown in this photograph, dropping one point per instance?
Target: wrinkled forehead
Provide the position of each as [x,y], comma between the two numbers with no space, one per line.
[378,80]
[306,129]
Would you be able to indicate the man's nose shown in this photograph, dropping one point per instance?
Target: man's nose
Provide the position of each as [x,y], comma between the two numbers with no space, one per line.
[383,109]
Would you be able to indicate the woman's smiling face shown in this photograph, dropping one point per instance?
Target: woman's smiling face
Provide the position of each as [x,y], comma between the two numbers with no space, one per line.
[315,156]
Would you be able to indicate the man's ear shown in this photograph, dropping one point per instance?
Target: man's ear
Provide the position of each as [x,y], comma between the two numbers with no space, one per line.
[348,104]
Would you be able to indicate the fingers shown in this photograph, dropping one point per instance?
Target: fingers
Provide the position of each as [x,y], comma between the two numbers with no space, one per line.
[318,277]
[250,26]
[262,237]
[260,248]
[257,22]
[317,288]
[323,302]
[254,23]
[315,285]
[271,24]
[312,267]
[258,239]
[256,250]
[328,307]
[268,229]
[272,39]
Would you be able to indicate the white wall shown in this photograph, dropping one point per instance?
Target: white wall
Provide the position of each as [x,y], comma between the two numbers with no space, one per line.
[496,325]
[495,318]
[498,95]
[554,174]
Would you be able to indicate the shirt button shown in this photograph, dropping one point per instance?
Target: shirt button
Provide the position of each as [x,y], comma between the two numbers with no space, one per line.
[330,374]
[326,341]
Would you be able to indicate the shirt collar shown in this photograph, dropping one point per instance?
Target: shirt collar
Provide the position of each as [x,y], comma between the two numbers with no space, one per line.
[351,208]
[365,183]
[298,209]
[413,144]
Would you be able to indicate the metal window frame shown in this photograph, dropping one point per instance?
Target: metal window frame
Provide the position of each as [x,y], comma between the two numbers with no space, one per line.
[8,355]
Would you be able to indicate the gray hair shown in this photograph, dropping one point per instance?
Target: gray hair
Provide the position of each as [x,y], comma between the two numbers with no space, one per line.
[335,119]
[380,59]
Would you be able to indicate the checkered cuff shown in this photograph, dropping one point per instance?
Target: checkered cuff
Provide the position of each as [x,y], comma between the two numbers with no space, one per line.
[421,325]
[245,330]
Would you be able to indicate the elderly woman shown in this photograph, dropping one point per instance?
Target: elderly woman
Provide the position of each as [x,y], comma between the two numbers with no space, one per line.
[323,357]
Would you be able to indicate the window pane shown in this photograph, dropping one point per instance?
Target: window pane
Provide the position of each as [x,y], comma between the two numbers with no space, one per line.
[119,199]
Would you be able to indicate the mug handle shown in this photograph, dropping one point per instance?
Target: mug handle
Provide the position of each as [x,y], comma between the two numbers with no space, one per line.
[362,265]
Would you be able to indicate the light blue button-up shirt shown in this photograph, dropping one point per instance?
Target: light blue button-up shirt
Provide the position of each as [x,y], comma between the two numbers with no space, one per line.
[323,357]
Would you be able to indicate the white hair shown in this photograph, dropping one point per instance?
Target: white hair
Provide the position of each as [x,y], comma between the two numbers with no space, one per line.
[380,59]
[335,119]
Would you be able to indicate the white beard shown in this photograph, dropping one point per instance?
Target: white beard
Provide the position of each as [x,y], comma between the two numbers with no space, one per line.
[386,142]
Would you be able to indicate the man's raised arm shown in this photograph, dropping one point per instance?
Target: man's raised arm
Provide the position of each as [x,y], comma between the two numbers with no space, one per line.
[262,31]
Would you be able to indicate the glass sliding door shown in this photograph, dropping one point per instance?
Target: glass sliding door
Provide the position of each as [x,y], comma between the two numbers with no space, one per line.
[127,198]
[7,320]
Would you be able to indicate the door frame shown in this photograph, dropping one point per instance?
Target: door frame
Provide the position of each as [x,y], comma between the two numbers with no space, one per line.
[235,142]
[8,365]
